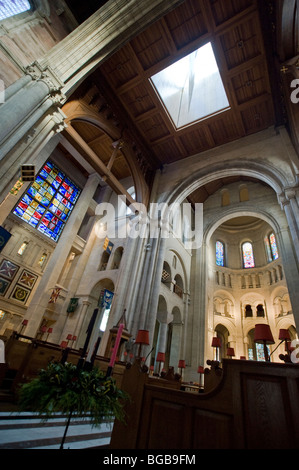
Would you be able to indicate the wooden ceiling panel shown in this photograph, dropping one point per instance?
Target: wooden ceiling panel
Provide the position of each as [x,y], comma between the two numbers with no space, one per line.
[250,84]
[138,100]
[121,68]
[170,150]
[154,128]
[195,141]
[241,43]
[224,129]
[151,46]
[186,23]
[258,117]
[224,11]
[233,27]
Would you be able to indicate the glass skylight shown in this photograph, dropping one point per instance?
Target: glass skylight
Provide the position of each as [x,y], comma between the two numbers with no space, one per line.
[191,88]
[13,7]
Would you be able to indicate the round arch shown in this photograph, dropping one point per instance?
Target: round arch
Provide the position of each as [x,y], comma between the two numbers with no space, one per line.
[77,112]
[264,172]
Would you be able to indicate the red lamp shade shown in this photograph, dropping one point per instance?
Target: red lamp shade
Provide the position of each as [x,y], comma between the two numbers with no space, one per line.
[216,342]
[200,370]
[151,368]
[160,357]
[69,337]
[50,330]
[74,338]
[230,352]
[64,344]
[284,335]
[43,329]
[262,334]
[182,364]
[142,337]
[25,322]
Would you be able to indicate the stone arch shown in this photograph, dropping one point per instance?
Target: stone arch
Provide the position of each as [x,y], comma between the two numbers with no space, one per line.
[264,172]
[76,111]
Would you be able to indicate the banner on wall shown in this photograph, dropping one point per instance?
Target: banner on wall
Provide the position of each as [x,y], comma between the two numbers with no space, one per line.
[108,245]
[4,237]
[106,299]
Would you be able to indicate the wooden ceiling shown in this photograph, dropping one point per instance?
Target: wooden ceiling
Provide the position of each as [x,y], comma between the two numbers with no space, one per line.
[234,29]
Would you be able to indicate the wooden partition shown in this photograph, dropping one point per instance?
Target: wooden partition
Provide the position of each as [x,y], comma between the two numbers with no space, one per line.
[27,356]
[254,406]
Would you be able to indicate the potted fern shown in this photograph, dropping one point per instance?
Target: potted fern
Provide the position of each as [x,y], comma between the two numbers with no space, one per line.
[71,390]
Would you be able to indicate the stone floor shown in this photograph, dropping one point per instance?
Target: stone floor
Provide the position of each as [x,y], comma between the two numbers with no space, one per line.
[26,431]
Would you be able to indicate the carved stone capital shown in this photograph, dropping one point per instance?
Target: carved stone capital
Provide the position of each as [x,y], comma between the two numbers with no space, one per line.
[48,76]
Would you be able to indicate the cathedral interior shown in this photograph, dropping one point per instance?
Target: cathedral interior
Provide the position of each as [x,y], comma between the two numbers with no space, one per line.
[149,156]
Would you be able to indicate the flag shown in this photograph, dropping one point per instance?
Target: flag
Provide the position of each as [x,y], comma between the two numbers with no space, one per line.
[54,295]
[4,237]
[106,298]
[73,304]
[108,245]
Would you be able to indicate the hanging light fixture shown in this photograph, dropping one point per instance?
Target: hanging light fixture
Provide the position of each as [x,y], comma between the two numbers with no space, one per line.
[216,343]
[230,352]
[263,335]
[142,338]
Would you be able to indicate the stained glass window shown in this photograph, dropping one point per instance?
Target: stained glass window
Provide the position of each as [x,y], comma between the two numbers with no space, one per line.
[273,245]
[48,202]
[13,7]
[219,253]
[268,249]
[248,259]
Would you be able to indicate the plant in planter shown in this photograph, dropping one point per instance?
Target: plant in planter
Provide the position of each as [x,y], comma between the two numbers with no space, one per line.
[74,391]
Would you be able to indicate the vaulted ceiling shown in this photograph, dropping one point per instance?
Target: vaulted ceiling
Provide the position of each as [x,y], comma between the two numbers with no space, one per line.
[234,28]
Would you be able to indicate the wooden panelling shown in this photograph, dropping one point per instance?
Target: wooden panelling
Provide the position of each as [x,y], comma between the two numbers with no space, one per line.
[264,428]
[252,405]
[169,414]
[212,430]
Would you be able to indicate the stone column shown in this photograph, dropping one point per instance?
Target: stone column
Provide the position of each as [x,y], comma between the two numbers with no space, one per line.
[81,316]
[292,223]
[41,297]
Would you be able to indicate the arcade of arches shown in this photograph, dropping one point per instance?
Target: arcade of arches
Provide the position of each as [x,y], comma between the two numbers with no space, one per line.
[94,133]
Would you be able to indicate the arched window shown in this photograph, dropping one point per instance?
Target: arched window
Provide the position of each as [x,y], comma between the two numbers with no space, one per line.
[248,258]
[248,311]
[48,202]
[225,199]
[219,253]
[10,8]
[271,247]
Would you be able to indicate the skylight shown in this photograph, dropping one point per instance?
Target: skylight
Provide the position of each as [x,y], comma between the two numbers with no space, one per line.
[191,88]
[13,7]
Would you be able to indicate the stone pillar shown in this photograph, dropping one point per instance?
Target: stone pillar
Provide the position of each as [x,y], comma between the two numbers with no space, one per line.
[292,223]
[81,316]
[41,297]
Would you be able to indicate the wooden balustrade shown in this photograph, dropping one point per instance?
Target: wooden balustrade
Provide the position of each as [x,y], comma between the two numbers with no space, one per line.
[254,405]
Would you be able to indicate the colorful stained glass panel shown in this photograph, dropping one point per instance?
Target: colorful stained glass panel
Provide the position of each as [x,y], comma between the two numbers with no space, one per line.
[248,259]
[219,254]
[273,245]
[48,202]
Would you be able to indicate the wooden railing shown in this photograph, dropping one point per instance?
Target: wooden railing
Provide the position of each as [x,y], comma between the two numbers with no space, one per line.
[255,405]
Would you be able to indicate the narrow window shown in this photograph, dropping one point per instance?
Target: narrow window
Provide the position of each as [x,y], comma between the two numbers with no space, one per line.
[248,258]
[219,253]
[22,248]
